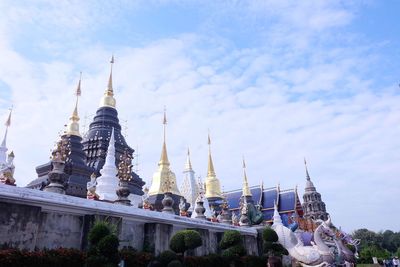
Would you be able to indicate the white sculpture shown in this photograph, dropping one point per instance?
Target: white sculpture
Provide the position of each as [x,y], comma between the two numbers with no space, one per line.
[107,183]
[317,255]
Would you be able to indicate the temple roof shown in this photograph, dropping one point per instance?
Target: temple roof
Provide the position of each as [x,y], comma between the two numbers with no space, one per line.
[287,200]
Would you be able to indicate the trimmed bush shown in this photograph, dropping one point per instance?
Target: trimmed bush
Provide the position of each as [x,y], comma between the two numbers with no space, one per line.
[177,242]
[230,238]
[99,230]
[269,235]
[184,240]
[103,246]
[166,257]
[271,245]
[192,239]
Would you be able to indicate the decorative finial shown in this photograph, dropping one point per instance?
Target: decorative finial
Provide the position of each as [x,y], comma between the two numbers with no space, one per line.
[164,155]
[108,98]
[210,171]
[188,165]
[246,190]
[307,174]
[73,125]
[110,86]
[7,124]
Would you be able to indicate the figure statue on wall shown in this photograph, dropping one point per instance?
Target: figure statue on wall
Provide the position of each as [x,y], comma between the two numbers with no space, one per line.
[7,170]
[145,200]
[91,188]
[235,219]
[183,207]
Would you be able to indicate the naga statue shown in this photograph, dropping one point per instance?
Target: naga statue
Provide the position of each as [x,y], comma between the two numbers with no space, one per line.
[341,239]
[318,254]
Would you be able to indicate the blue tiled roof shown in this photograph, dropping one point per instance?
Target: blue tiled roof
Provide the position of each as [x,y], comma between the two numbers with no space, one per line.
[287,201]
[269,197]
[266,197]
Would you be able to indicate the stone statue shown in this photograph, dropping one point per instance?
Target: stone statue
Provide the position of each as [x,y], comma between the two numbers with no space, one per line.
[91,188]
[183,207]
[244,219]
[145,199]
[317,255]
[341,239]
[235,219]
[7,171]
[254,214]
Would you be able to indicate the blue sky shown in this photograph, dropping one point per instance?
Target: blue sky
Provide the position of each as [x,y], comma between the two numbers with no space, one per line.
[275,81]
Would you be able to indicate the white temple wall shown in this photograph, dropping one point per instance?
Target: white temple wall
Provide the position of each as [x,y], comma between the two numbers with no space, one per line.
[31,218]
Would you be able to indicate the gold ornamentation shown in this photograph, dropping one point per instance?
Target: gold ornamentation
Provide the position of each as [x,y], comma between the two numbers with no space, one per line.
[108,99]
[125,167]
[61,151]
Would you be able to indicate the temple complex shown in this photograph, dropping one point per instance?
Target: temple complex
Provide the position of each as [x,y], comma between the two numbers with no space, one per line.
[90,178]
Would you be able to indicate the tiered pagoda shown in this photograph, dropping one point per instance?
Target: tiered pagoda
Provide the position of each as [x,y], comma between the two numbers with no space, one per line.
[95,141]
[77,171]
[313,206]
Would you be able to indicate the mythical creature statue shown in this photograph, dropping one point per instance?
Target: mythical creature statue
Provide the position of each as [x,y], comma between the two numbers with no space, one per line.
[7,171]
[341,239]
[91,188]
[317,255]
[255,214]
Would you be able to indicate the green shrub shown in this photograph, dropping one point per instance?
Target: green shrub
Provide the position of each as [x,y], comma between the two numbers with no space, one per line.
[184,240]
[100,229]
[192,239]
[177,242]
[166,257]
[230,238]
[269,235]
[103,246]
[234,251]
[175,263]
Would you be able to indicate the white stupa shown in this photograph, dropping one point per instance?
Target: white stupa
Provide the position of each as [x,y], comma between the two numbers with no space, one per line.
[189,188]
[107,183]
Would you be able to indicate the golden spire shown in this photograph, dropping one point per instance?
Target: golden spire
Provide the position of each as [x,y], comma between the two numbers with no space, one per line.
[73,125]
[164,180]
[213,187]
[164,155]
[246,190]
[210,170]
[108,99]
